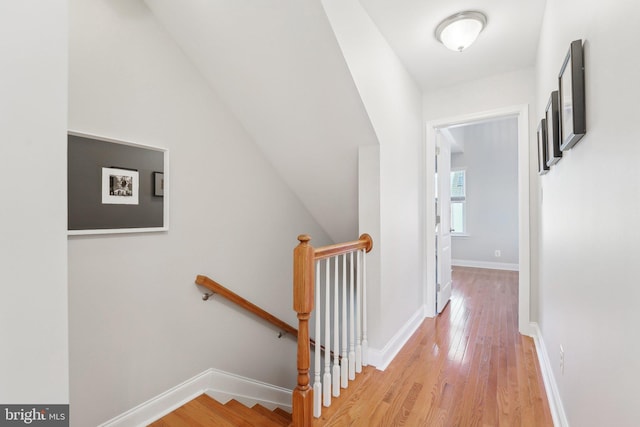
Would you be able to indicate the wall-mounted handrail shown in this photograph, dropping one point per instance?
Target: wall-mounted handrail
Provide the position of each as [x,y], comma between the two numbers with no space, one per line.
[217,288]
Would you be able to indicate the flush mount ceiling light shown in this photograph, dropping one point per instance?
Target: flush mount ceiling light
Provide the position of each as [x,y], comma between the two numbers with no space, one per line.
[459,31]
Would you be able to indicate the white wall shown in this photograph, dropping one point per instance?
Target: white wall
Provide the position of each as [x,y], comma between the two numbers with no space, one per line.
[34,356]
[392,100]
[369,208]
[499,91]
[278,68]
[490,159]
[138,325]
[589,243]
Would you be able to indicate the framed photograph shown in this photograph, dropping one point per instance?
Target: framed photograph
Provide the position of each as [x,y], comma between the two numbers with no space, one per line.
[158,184]
[120,186]
[554,153]
[572,97]
[543,167]
[112,186]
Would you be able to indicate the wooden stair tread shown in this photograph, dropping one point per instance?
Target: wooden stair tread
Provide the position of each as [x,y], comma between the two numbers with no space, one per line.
[172,419]
[204,411]
[257,419]
[237,418]
[193,414]
[283,413]
[273,415]
[160,423]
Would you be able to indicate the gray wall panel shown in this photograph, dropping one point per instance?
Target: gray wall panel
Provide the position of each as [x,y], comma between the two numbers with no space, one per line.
[86,158]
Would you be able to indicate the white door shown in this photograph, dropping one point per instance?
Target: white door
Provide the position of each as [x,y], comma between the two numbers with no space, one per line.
[443,233]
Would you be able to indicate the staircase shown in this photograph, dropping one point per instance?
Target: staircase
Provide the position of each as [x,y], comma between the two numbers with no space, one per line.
[344,315]
[205,411]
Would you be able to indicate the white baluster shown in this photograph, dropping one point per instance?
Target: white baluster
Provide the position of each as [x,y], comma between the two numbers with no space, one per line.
[317,385]
[326,380]
[358,315]
[336,331]
[365,342]
[344,364]
[352,342]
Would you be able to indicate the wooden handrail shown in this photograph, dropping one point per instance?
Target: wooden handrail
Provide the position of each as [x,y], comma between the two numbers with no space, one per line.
[217,288]
[364,242]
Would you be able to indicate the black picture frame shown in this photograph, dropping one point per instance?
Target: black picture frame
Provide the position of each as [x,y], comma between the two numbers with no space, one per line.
[571,94]
[158,184]
[543,167]
[551,115]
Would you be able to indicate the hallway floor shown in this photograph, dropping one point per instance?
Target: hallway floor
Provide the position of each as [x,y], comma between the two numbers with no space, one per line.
[467,367]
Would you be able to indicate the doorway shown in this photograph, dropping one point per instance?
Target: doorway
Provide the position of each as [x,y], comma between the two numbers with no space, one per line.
[521,113]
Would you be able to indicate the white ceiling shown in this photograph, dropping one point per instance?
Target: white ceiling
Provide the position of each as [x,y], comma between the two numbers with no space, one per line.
[509,41]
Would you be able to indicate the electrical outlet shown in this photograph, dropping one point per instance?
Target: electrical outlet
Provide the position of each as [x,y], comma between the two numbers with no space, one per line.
[561,360]
[498,253]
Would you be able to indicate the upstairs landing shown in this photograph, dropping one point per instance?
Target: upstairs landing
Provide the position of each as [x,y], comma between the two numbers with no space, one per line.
[467,367]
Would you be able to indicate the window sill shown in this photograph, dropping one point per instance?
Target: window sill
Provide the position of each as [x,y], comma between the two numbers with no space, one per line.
[460,235]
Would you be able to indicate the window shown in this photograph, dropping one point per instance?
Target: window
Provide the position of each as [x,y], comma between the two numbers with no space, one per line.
[458,202]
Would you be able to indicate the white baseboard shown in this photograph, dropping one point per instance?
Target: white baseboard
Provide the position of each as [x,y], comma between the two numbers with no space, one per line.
[381,358]
[485,264]
[551,386]
[163,403]
[225,386]
[222,386]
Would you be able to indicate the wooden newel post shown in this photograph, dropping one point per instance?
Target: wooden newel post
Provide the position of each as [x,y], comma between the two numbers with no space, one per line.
[302,401]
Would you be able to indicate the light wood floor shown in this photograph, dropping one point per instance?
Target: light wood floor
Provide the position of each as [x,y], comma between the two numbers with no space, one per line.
[467,367]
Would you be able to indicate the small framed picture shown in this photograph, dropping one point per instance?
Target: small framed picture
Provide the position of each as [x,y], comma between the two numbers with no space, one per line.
[572,97]
[119,186]
[554,154]
[158,184]
[543,167]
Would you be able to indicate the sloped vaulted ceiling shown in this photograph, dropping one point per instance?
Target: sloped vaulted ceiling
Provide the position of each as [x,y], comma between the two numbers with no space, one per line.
[278,67]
